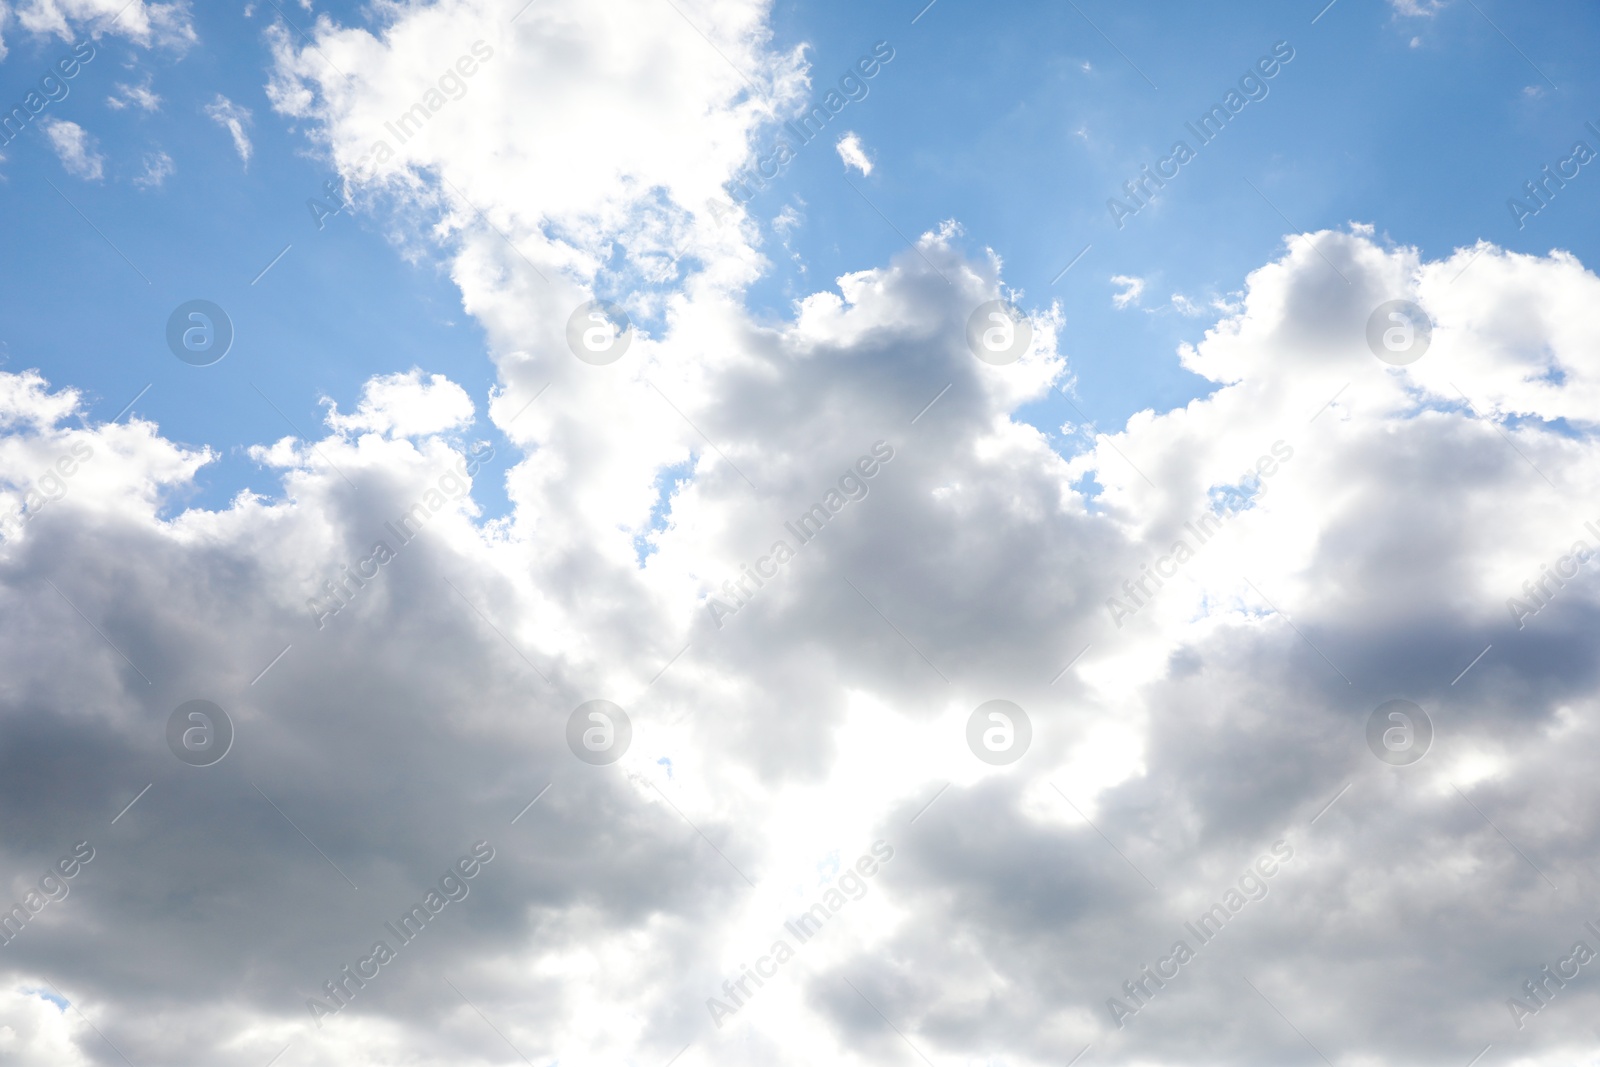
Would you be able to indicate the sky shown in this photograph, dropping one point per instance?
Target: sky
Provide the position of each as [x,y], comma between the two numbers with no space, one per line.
[673,532]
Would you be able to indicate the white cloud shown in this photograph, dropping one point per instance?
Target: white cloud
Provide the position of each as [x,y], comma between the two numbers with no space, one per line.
[406,405]
[36,1032]
[75,148]
[431,707]
[139,96]
[854,156]
[234,119]
[784,224]
[1184,753]
[158,167]
[1167,709]
[1132,288]
[621,120]
[167,25]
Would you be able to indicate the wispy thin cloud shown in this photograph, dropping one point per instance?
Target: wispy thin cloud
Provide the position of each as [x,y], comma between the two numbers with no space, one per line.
[139,96]
[236,120]
[158,167]
[1132,289]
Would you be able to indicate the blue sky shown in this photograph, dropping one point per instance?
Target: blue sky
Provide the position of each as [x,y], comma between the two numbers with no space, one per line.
[988,115]
[1018,121]
[339,307]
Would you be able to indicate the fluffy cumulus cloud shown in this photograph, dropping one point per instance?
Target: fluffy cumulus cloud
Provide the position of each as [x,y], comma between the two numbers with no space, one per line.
[406,405]
[646,111]
[401,673]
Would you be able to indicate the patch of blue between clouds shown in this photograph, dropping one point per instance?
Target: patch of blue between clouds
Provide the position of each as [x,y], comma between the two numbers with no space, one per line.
[48,994]
[668,479]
